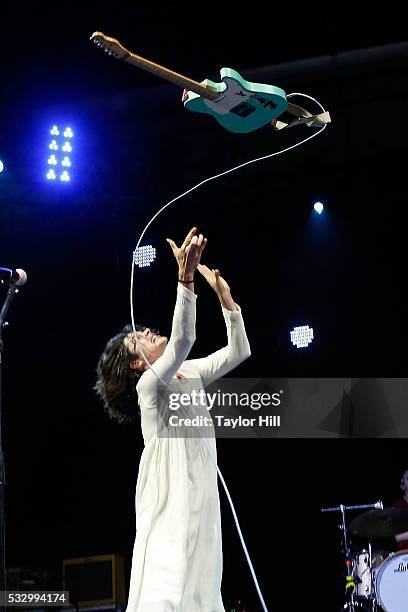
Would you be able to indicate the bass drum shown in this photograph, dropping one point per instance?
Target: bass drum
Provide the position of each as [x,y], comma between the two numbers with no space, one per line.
[391,585]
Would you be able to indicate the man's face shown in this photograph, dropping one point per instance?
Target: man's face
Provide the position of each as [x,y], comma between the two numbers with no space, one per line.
[404,482]
[151,343]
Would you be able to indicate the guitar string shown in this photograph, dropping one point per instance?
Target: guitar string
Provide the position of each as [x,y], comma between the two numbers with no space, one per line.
[140,350]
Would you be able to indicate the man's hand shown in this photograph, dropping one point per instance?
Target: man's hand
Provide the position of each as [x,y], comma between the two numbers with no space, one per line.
[189,254]
[220,286]
[214,279]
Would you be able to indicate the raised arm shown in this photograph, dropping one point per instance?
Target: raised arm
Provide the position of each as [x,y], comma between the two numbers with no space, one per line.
[183,328]
[237,349]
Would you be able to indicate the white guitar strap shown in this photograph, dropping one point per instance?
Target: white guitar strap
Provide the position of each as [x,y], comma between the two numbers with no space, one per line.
[302,116]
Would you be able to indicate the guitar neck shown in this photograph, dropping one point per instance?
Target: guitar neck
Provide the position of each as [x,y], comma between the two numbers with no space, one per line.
[173,77]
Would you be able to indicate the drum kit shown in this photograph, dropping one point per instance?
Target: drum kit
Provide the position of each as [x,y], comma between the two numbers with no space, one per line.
[376,579]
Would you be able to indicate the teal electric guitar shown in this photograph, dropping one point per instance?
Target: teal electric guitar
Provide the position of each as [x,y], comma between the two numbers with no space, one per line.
[238,105]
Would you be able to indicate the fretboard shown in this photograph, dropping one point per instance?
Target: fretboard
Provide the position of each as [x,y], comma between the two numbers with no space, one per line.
[173,77]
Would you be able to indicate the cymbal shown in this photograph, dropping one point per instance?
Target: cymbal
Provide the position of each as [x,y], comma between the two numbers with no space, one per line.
[377,524]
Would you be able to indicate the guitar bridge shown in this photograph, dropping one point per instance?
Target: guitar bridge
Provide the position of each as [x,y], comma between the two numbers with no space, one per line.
[265,102]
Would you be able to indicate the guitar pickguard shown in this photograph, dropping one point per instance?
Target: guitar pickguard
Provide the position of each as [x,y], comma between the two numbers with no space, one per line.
[246,108]
[232,97]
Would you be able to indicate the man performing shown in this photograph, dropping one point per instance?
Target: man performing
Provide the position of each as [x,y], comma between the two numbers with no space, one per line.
[177,555]
[402,538]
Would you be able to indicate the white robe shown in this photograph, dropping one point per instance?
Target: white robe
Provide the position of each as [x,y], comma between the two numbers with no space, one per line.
[177,555]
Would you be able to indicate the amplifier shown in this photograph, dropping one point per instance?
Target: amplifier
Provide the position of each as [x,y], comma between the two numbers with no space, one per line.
[95,581]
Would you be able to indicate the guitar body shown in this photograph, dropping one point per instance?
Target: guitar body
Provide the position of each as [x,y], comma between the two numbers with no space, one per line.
[242,106]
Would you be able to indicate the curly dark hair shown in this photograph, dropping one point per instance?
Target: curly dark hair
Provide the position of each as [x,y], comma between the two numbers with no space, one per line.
[116,381]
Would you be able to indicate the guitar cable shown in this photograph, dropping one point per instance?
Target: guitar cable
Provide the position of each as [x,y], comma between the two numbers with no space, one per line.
[140,350]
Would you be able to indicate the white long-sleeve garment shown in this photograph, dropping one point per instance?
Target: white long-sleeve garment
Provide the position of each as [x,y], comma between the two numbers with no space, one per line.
[177,555]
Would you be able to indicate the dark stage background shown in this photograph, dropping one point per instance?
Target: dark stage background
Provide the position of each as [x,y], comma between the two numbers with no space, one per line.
[71,473]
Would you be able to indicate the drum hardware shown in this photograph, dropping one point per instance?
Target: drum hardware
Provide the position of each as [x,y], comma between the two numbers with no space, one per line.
[354,602]
[376,579]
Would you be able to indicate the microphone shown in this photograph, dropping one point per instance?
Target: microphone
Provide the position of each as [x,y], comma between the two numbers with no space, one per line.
[17,277]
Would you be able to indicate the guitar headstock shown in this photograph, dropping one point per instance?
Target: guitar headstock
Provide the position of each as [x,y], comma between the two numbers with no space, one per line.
[110,45]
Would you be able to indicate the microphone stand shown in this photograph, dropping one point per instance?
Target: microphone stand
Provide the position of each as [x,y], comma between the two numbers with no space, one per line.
[11,292]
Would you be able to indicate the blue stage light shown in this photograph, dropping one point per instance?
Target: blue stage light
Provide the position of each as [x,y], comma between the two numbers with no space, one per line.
[58,163]
[318,207]
[1,166]
[302,336]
